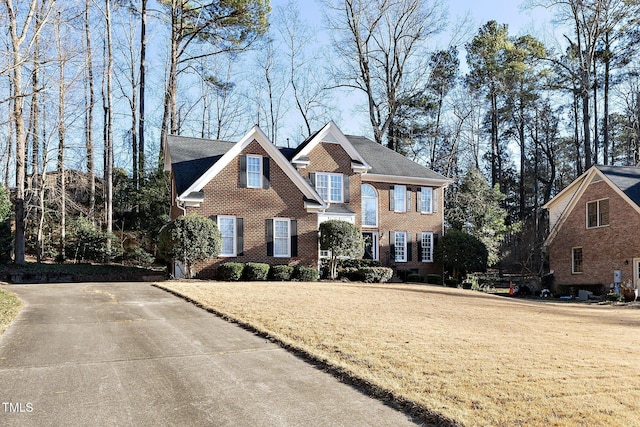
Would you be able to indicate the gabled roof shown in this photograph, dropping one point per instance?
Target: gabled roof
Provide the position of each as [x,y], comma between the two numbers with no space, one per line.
[390,166]
[332,134]
[623,180]
[196,162]
[192,157]
[626,178]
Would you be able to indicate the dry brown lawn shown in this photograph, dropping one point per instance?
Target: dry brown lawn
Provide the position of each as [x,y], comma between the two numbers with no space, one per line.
[481,360]
[9,308]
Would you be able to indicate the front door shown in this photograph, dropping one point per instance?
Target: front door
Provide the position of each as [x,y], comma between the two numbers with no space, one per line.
[636,273]
[370,245]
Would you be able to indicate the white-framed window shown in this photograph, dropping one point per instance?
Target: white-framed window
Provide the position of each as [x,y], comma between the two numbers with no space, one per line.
[371,245]
[598,213]
[426,246]
[227,227]
[399,198]
[330,186]
[426,200]
[576,261]
[400,244]
[369,206]
[254,171]
[281,237]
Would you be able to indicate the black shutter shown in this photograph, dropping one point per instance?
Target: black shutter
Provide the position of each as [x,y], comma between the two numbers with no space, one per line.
[409,246]
[214,218]
[419,245]
[269,237]
[392,245]
[391,200]
[345,189]
[239,236]
[408,201]
[243,171]
[312,179]
[294,238]
[419,199]
[266,173]
[434,242]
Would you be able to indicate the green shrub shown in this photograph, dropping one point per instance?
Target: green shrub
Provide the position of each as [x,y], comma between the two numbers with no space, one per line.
[358,263]
[255,271]
[305,274]
[403,274]
[281,272]
[230,271]
[375,274]
[434,279]
[415,278]
[451,283]
[137,257]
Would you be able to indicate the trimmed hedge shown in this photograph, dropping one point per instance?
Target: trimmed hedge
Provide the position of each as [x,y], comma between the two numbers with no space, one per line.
[415,278]
[230,271]
[358,263]
[434,279]
[375,274]
[255,271]
[305,274]
[281,272]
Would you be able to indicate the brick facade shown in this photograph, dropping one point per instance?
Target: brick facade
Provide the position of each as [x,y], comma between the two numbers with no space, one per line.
[604,249]
[224,195]
[282,199]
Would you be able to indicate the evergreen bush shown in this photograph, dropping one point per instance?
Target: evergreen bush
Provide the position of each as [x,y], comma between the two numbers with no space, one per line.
[230,271]
[254,271]
[305,274]
[281,272]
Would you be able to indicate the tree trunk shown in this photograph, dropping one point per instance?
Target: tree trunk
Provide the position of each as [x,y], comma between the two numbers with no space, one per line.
[89,115]
[108,170]
[62,185]
[605,117]
[143,54]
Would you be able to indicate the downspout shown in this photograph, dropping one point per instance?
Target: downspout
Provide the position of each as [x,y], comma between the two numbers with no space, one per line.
[180,205]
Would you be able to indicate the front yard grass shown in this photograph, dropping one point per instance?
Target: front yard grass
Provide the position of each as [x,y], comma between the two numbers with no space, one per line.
[9,308]
[473,358]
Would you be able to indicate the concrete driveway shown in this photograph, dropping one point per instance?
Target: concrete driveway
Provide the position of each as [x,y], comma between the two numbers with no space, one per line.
[129,354]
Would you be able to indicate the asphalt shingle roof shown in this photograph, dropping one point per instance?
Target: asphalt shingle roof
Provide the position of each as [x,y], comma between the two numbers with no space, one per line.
[626,178]
[192,157]
[385,161]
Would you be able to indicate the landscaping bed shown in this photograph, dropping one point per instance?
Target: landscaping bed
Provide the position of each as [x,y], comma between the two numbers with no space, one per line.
[59,273]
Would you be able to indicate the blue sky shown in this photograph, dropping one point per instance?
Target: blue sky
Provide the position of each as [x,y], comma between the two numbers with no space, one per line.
[352,117]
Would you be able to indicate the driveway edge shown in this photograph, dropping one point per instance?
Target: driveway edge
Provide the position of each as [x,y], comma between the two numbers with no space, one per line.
[417,412]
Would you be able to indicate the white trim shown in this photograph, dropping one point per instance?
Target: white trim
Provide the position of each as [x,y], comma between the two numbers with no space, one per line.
[406,180]
[431,201]
[422,251]
[329,175]
[395,245]
[586,212]
[256,134]
[235,236]
[375,243]
[377,204]
[396,199]
[288,238]
[333,135]
[260,171]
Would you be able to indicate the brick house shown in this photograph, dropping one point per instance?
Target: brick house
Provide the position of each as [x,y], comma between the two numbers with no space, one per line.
[594,225]
[269,201]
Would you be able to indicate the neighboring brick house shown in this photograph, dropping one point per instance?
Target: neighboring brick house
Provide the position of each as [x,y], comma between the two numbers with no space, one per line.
[594,227]
[269,201]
